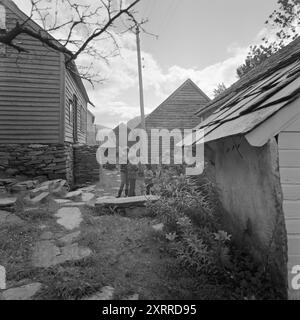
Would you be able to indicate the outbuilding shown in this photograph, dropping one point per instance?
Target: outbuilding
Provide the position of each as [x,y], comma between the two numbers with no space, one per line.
[252,141]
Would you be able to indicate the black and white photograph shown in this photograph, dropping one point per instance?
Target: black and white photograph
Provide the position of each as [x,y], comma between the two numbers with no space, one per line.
[149,151]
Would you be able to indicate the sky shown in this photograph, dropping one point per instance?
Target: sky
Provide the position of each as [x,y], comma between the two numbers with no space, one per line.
[198,39]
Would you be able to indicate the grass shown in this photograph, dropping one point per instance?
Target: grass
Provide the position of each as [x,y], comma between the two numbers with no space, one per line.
[71,280]
[16,243]
[127,254]
[133,258]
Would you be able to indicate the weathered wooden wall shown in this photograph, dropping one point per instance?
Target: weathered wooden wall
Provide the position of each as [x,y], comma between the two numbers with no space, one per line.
[71,88]
[30,91]
[176,112]
[289,160]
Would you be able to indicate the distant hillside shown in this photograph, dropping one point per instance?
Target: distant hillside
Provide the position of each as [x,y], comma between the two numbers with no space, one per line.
[134,122]
[100,127]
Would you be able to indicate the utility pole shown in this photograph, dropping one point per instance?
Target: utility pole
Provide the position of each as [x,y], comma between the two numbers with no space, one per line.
[140,77]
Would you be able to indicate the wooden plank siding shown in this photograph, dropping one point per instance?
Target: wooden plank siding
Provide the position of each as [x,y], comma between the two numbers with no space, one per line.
[289,162]
[71,89]
[176,112]
[30,91]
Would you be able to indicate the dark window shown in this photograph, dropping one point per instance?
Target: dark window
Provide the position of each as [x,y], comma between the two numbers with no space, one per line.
[2,28]
[70,111]
[82,119]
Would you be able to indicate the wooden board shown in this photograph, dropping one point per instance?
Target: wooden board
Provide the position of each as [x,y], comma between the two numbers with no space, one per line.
[290,176]
[29,91]
[289,161]
[125,202]
[291,209]
[289,158]
[291,192]
[289,141]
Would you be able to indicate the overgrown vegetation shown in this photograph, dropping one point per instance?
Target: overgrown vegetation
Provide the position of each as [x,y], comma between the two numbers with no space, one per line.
[191,215]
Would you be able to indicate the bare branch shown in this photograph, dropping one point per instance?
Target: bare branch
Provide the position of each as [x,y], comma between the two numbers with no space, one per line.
[75,29]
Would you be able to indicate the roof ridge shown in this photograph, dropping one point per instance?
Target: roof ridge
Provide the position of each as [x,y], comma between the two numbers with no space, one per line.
[198,88]
[176,91]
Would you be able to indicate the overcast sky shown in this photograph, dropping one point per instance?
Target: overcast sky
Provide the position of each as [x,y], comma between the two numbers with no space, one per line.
[204,40]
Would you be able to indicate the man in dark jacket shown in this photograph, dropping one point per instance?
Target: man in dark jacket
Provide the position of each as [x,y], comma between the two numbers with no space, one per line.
[132,171]
[124,180]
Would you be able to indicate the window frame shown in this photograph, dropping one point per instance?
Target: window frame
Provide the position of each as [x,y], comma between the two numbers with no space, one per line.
[71,111]
[82,119]
[3,28]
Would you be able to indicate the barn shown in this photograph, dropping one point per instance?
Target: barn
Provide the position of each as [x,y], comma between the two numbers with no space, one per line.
[43,103]
[177,112]
[252,141]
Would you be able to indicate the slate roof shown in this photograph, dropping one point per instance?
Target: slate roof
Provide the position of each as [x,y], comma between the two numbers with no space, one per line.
[178,110]
[256,97]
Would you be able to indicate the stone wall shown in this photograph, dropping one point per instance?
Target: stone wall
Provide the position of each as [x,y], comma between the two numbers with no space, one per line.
[32,160]
[86,167]
[249,186]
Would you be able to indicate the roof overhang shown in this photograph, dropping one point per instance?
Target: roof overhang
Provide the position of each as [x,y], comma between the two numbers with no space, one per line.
[274,122]
[258,112]
[260,135]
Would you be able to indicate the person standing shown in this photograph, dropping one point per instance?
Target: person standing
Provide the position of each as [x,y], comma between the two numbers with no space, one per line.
[124,175]
[132,171]
[124,180]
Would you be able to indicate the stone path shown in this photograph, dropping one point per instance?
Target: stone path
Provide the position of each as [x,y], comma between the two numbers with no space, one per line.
[25,292]
[7,202]
[106,293]
[53,246]
[46,253]
[69,218]
[9,218]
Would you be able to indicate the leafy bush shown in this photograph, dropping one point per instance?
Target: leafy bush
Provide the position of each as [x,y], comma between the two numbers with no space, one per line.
[190,211]
[191,220]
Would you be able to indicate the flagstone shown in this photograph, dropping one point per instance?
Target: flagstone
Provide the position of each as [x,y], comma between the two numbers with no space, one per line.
[9,218]
[106,293]
[69,218]
[25,292]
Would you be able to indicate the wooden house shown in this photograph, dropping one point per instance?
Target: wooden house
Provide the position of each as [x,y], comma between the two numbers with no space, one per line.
[252,139]
[42,102]
[178,111]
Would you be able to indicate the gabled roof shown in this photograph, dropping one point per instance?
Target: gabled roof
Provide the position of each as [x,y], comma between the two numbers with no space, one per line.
[178,110]
[32,24]
[257,97]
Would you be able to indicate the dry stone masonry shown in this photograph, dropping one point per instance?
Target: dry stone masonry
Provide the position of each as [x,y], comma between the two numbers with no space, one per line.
[75,163]
[86,167]
[50,160]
